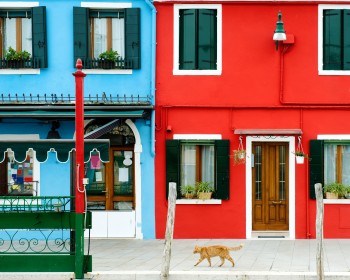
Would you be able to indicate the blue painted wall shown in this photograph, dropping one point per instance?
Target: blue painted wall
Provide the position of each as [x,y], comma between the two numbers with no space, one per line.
[58,79]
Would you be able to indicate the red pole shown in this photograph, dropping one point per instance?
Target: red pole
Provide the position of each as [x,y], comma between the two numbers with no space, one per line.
[79,137]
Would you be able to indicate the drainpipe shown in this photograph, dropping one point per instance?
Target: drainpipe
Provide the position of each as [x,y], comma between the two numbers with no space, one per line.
[153,73]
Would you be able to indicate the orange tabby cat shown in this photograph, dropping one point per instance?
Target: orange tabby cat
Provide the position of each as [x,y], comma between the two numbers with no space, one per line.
[216,251]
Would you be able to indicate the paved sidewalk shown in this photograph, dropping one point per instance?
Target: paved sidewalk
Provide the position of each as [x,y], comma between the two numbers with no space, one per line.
[258,259]
[132,259]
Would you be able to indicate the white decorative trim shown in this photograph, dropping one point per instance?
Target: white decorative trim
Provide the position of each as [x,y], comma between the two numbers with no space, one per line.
[176,70]
[291,141]
[108,72]
[320,41]
[199,201]
[18,4]
[105,5]
[19,71]
[137,179]
[197,136]
[333,137]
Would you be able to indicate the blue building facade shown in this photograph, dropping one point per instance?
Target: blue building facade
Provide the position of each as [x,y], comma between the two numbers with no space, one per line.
[40,44]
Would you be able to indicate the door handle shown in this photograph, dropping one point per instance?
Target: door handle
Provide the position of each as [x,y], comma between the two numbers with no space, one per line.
[276,202]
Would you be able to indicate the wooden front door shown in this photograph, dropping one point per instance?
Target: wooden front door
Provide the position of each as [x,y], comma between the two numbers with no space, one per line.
[270,186]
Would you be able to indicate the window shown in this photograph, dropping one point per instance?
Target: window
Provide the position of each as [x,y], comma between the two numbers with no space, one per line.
[23,30]
[17,178]
[100,30]
[197,39]
[188,162]
[329,163]
[334,34]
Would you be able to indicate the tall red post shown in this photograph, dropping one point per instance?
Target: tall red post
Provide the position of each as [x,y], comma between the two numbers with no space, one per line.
[79,137]
[79,174]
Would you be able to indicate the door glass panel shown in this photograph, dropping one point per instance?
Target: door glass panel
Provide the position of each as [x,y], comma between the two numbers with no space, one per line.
[258,173]
[282,172]
[123,180]
[95,172]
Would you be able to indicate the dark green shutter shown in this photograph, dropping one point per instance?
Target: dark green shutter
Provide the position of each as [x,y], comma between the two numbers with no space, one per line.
[81,33]
[346,38]
[222,158]
[316,165]
[39,36]
[132,37]
[173,165]
[187,40]
[206,39]
[332,46]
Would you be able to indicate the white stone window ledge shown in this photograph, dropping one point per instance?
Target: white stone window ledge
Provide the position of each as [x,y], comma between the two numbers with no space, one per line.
[200,201]
[336,201]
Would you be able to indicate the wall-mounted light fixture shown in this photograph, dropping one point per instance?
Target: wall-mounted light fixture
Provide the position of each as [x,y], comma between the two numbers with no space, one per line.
[53,133]
[280,33]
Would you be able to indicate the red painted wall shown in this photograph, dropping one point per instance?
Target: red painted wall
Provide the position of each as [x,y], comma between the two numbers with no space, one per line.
[254,91]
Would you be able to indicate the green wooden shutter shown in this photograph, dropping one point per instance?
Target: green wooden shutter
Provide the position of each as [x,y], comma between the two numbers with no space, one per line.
[173,165]
[207,39]
[132,37]
[39,42]
[332,45]
[81,34]
[187,40]
[222,158]
[346,38]
[316,165]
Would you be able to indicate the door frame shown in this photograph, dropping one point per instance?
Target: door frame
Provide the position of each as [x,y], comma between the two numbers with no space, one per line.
[291,141]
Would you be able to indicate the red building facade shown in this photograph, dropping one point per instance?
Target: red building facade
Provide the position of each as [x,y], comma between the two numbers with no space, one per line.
[224,85]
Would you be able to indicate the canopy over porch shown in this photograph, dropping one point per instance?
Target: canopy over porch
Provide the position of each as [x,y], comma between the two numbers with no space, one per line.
[62,147]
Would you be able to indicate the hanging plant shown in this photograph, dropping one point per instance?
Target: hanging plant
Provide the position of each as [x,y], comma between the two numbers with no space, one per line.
[239,155]
[300,156]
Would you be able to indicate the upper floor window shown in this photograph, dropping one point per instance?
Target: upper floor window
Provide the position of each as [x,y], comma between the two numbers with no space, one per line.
[107,38]
[334,33]
[197,39]
[23,38]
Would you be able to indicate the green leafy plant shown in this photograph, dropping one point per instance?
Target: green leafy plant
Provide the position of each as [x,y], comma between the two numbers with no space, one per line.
[109,55]
[301,154]
[188,191]
[336,188]
[12,54]
[204,187]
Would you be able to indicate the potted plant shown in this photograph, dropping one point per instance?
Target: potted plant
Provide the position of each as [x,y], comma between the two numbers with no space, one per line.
[108,58]
[239,156]
[347,192]
[204,190]
[188,191]
[335,190]
[300,157]
[16,59]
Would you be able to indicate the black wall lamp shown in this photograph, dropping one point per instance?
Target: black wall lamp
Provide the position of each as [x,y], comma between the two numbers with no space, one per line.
[53,134]
[280,33]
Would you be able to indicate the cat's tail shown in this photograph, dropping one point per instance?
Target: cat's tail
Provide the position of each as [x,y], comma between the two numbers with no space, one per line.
[236,248]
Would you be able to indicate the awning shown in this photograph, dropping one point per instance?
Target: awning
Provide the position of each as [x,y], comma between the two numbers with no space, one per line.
[273,131]
[57,113]
[62,147]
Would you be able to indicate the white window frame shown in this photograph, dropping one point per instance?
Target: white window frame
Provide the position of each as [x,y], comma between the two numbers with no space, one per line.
[218,70]
[320,40]
[106,5]
[19,71]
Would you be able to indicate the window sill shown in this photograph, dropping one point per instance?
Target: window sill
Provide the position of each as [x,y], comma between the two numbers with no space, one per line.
[200,201]
[334,72]
[178,72]
[19,71]
[108,72]
[336,201]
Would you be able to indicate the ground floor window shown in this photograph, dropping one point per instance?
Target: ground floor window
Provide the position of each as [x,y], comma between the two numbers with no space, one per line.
[188,162]
[17,178]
